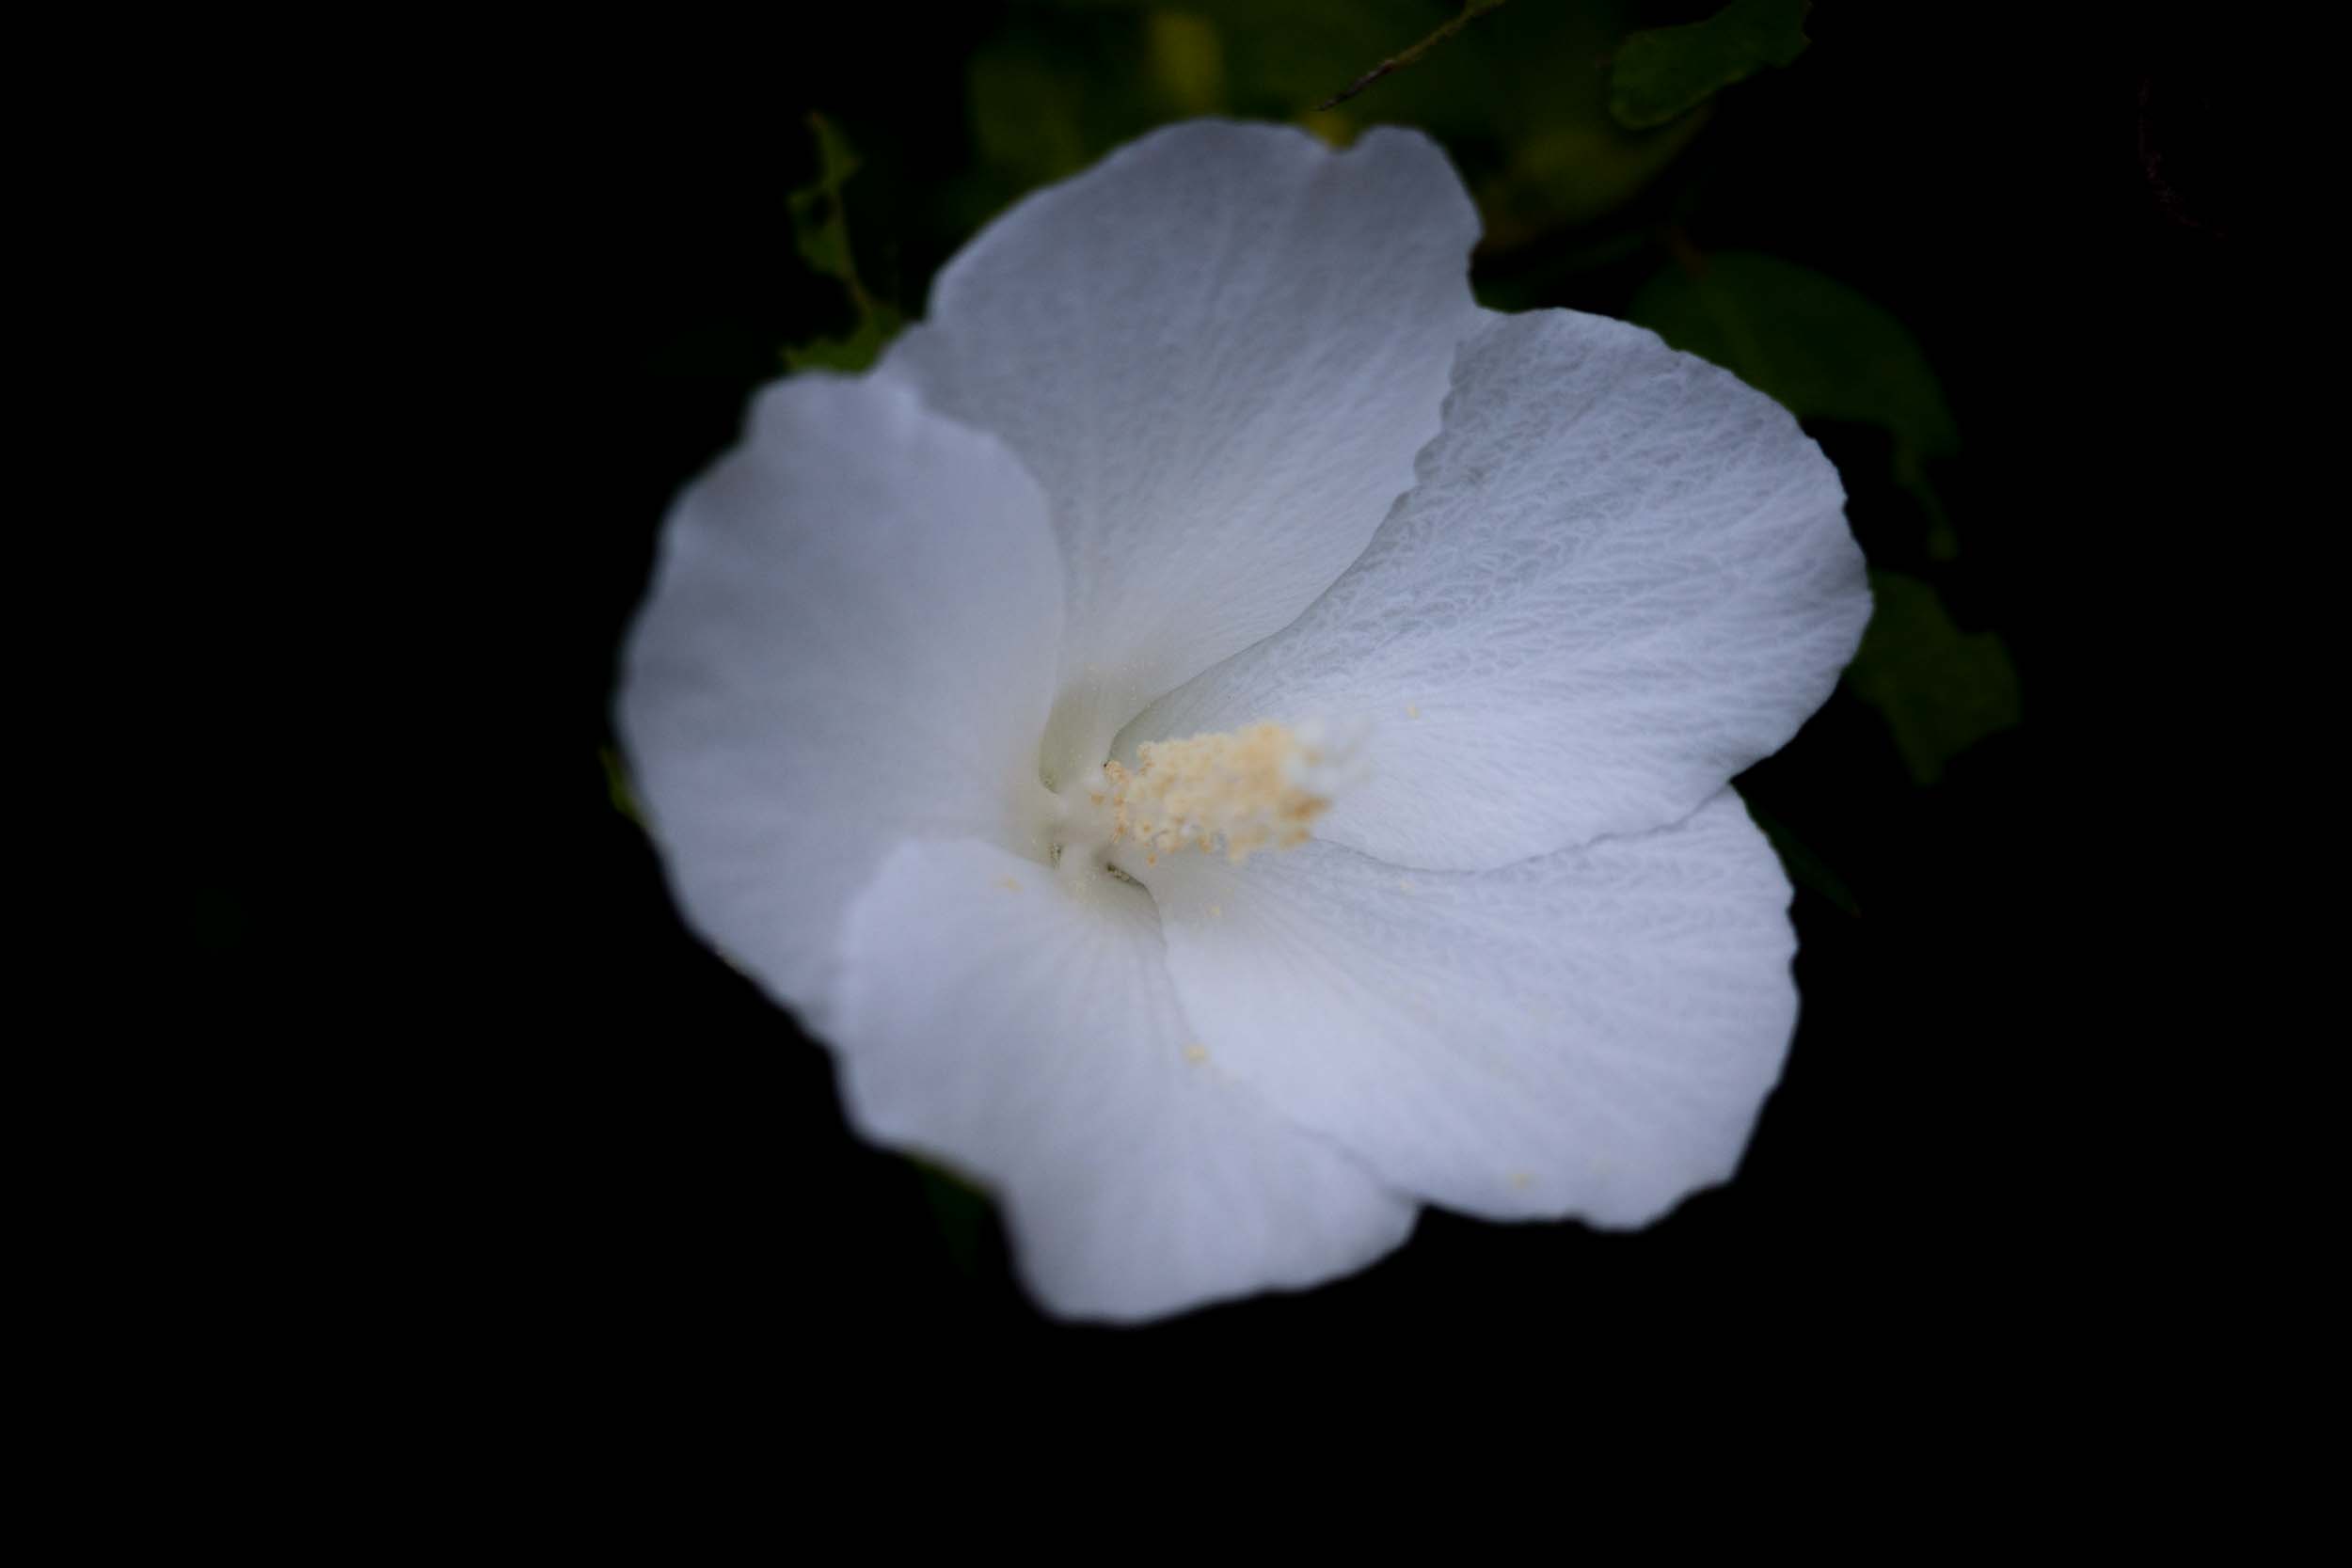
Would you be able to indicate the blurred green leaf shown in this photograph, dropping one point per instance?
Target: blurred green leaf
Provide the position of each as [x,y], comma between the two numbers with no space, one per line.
[1031,113]
[616,787]
[1280,61]
[1819,348]
[1941,690]
[961,1211]
[219,919]
[1574,172]
[877,325]
[819,228]
[1806,869]
[1470,11]
[820,231]
[1519,101]
[1188,61]
[1666,72]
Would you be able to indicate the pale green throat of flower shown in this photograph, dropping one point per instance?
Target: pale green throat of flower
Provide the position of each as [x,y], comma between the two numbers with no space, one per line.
[1239,792]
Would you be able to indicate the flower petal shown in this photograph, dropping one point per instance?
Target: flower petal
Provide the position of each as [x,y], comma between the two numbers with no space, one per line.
[1623,577]
[1218,350]
[851,639]
[1590,1033]
[1026,1031]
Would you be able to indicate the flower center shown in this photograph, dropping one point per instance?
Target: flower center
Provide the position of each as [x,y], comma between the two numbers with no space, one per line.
[1261,787]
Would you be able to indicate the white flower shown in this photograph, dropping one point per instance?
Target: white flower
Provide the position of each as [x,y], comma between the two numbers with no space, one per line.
[1209,438]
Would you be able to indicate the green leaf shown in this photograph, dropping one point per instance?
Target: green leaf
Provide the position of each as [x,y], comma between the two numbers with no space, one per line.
[853,352]
[1520,96]
[820,231]
[1470,11]
[1667,71]
[616,787]
[1941,690]
[1188,61]
[1806,869]
[961,1210]
[1817,347]
[1030,116]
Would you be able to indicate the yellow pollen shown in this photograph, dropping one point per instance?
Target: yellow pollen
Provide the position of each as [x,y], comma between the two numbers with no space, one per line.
[1242,791]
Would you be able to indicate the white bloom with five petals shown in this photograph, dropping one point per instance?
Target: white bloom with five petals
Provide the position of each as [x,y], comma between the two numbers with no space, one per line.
[1229,741]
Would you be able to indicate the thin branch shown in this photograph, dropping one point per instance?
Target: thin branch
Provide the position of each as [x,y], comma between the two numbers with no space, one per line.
[1470,13]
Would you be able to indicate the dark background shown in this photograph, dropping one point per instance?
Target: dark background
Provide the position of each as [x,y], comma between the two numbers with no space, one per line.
[612,1151]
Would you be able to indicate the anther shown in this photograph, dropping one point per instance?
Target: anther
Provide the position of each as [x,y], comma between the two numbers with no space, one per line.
[1242,791]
